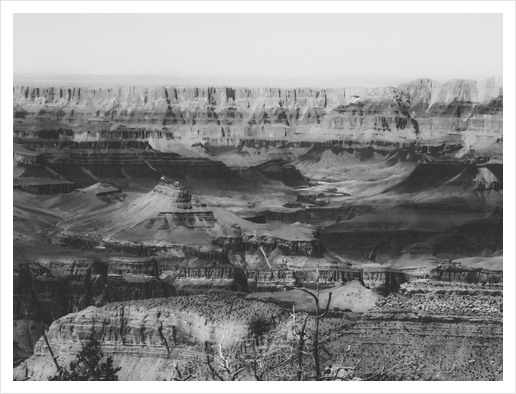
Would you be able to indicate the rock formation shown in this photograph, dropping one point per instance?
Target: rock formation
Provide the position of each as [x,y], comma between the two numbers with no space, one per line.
[159,332]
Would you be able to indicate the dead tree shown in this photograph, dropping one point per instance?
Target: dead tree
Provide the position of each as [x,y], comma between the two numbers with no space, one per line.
[187,374]
[229,368]
[58,367]
[301,338]
[224,362]
[230,371]
[318,317]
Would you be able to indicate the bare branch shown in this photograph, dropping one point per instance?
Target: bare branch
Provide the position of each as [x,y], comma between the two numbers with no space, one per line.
[337,373]
[306,291]
[255,369]
[326,350]
[300,350]
[178,371]
[382,372]
[266,349]
[28,378]
[233,374]
[214,373]
[327,307]
[185,378]
[317,281]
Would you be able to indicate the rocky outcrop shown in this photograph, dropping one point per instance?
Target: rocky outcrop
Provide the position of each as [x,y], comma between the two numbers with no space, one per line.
[159,332]
[25,156]
[456,273]
[489,177]
[381,279]
[44,186]
[277,280]
[183,210]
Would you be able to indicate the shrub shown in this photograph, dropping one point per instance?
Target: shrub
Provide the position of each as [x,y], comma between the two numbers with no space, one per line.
[88,365]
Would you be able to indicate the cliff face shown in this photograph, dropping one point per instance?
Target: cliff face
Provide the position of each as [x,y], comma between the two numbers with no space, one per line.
[44,186]
[46,291]
[454,273]
[418,107]
[159,332]
[49,288]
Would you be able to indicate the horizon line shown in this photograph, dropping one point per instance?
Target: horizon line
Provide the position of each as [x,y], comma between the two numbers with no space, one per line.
[229,81]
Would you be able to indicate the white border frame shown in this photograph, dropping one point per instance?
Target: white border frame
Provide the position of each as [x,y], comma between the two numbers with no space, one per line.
[505,7]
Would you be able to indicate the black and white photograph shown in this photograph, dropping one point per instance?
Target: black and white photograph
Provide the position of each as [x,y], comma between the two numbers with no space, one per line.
[207,193]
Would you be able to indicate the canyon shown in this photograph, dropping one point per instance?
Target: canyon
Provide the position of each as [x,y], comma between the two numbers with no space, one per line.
[140,213]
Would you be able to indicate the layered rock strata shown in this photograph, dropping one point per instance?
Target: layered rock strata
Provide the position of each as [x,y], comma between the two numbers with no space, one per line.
[123,163]
[419,106]
[44,186]
[159,332]
[50,288]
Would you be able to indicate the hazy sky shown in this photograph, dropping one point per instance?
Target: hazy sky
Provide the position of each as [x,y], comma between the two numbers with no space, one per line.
[273,49]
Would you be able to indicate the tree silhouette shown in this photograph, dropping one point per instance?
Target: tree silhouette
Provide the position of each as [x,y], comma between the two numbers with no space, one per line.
[88,365]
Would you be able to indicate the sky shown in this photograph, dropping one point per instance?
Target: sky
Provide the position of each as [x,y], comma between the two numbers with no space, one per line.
[284,50]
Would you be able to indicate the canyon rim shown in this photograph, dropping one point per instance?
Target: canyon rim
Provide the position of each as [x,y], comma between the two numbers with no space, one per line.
[288,224]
